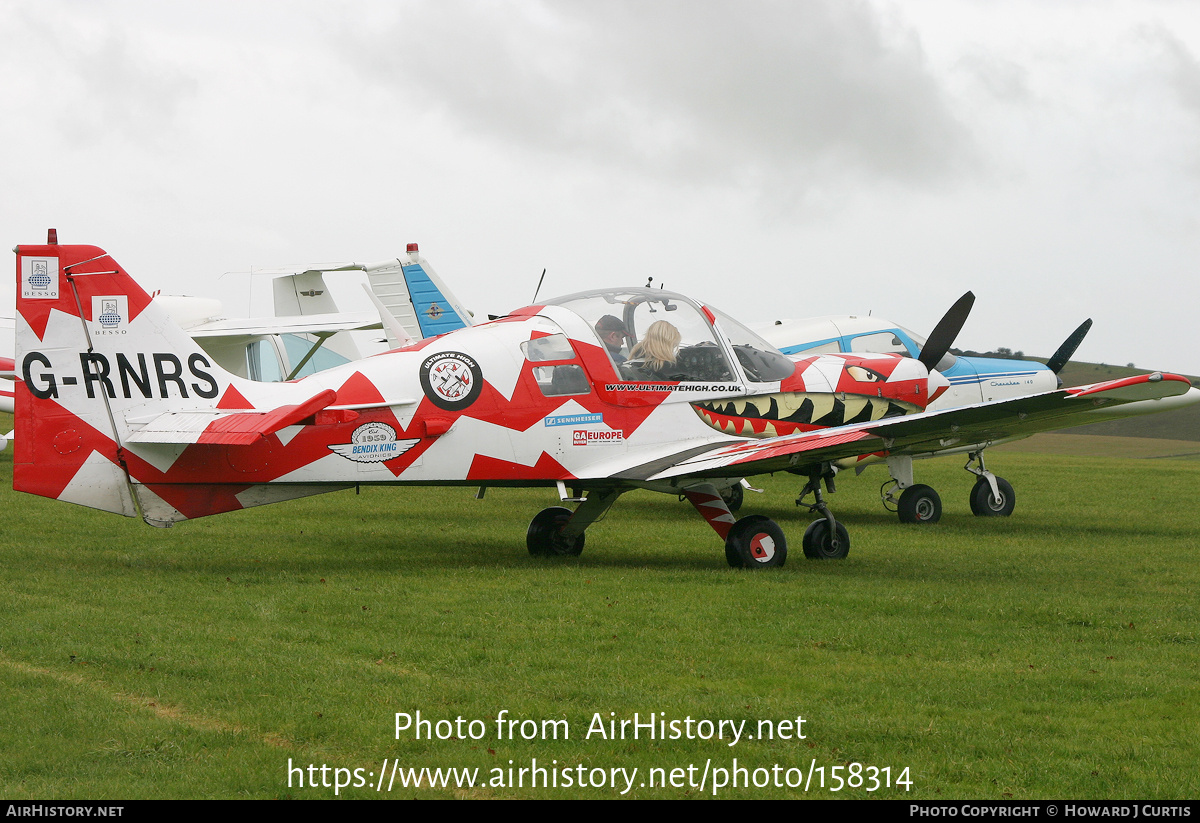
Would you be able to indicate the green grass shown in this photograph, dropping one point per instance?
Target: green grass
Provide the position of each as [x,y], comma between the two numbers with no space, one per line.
[1051,654]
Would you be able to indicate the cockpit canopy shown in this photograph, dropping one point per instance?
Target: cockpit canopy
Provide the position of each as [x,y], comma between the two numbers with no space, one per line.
[652,334]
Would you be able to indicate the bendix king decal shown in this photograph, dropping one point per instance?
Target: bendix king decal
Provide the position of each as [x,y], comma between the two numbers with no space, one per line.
[451,380]
[373,443]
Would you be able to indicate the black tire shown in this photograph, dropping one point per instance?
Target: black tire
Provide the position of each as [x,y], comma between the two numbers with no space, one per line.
[733,497]
[544,537]
[984,504]
[755,542]
[820,543]
[919,504]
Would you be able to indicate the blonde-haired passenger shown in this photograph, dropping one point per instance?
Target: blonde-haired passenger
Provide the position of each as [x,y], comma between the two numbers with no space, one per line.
[658,349]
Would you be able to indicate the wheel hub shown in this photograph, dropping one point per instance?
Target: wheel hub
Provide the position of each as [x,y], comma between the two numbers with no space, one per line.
[762,547]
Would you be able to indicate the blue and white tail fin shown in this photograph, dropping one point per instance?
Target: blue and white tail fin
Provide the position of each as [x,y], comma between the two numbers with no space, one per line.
[417,297]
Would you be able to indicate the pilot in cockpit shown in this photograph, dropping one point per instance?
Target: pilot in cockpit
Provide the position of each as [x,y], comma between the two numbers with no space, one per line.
[653,358]
[613,334]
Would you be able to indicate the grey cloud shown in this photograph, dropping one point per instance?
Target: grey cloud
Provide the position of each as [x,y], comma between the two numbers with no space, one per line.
[102,81]
[695,90]
[1000,79]
[1183,69]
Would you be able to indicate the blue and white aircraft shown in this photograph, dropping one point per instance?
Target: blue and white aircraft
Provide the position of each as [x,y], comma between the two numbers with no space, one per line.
[973,380]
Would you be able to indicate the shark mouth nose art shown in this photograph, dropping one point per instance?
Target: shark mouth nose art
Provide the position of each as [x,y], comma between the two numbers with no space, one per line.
[787,412]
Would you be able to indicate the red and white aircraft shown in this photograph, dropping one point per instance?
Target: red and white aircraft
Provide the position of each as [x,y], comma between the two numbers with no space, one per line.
[121,410]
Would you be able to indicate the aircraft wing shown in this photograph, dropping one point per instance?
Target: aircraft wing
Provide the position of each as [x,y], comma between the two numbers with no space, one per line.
[929,431]
[300,324]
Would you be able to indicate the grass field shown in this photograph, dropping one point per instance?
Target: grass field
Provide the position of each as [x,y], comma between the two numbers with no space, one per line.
[1053,654]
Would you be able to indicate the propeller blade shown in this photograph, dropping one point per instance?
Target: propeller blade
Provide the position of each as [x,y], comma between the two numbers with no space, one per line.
[943,334]
[1068,347]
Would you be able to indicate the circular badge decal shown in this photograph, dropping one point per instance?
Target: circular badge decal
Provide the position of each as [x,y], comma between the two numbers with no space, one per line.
[451,379]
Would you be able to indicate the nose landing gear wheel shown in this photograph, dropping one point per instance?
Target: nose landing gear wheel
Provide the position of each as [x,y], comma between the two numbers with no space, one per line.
[733,497]
[755,542]
[986,504]
[823,543]
[919,504]
[545,537]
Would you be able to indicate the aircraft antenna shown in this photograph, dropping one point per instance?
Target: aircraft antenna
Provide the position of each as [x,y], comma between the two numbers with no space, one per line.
[539,287]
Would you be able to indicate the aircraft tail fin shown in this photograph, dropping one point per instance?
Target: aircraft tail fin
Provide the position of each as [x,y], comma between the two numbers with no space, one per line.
[101,367]
[417,297]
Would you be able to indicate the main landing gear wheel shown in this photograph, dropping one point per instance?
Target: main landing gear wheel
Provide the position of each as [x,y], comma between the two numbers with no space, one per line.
[733,497]
[823,543]
[986,504]
[545,537]
[919,504]
[755,542]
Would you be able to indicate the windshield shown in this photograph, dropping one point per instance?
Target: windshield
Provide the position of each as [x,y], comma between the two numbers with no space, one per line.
[762,362]
[651,334]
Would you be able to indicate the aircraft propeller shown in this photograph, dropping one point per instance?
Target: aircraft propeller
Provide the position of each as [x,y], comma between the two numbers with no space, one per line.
[1068,347]
[943,334]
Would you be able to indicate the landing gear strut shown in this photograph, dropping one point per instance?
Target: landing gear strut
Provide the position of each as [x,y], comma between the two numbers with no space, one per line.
[754,542]
[558,531]
[825,538]
[917,503]
[991,496]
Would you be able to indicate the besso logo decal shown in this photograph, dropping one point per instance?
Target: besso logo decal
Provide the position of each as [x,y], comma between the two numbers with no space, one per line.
[110,315]
[586,437]
[373,443]
[451,380]
[39,278]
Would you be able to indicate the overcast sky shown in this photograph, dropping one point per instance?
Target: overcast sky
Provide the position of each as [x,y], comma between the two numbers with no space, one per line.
[777,159]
